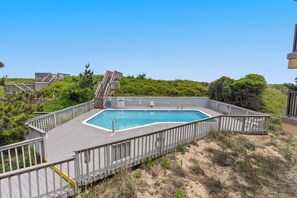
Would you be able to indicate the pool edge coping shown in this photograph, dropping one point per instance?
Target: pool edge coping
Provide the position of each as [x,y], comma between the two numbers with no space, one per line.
[146,125]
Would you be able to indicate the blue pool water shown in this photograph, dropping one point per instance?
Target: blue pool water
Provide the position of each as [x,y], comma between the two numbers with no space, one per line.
[134,118]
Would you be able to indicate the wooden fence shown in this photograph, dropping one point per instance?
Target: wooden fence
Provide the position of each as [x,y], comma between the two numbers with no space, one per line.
[43,180]
[22,154]
[292,104]
[94,163]
[55,119]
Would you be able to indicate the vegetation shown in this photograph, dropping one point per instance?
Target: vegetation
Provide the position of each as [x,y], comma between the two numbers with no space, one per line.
[8,81]
[1,64]
[246,92]
[221,165]
[73,90]
[142,86]
[14,112]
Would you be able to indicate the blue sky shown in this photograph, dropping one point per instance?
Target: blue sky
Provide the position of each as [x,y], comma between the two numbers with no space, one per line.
[199,40]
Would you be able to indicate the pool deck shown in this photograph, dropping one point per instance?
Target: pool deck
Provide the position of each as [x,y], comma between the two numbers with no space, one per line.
[74,135]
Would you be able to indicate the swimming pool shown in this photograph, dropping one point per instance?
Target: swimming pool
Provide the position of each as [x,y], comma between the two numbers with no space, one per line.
[127,119]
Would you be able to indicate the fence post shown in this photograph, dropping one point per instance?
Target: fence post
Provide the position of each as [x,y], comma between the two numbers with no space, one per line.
[73,115]
[76,171]
[243,124]
[195,128]
[289,104]
[219,123]
[44,146]
[55,120]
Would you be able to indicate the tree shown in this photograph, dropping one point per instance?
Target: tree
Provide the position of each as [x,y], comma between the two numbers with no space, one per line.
[14,112]
[245,92]
[83,90]
[1,64]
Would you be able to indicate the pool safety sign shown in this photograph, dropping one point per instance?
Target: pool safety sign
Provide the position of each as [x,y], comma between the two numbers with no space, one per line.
[121,102]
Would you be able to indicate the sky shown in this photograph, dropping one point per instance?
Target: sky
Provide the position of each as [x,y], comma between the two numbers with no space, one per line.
[199,40]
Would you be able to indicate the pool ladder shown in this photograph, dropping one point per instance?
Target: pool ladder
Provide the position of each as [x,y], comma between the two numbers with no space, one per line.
[181,107]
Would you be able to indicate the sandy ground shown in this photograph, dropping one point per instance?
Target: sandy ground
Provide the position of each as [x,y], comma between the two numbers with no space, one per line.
[275,178]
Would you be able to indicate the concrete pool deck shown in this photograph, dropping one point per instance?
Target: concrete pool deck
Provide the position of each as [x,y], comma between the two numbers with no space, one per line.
[74,135]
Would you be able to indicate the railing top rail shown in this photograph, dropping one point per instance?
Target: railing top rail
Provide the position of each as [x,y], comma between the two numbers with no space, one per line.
[138,136]
[245,109]
[19,87]
[35,128]
[247,116]
[62,110]
[292,91]
[33,168]
[43,80]
[162,97]
[18,144]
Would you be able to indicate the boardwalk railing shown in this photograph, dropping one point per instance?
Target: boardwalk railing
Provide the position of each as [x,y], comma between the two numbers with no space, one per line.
[38,181]
[252,125]
[230,109]
[292,104]
[21,155]
[98,162]
[92,164]
[55,119]
[101,161]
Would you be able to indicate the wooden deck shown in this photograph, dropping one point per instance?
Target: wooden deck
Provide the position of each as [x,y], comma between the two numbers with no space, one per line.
[74,135]
[60,144]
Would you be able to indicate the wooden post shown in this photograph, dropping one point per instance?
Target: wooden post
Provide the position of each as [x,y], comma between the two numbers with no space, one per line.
[219,123]
[55,120]
[243,124]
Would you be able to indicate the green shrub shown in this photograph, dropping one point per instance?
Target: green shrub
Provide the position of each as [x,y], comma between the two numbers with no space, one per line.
[140,86]
[182,148]
[166,164]
[180,194]
[246,92]
[149,162]
[137,174]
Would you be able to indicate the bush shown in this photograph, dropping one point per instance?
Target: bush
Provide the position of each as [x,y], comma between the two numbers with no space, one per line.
[141,86]
[180,194]
[182,148]
[14,112]
[166,164]
[245,92]
[137,174]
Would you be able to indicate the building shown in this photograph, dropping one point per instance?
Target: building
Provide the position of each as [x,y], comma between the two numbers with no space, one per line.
[289,122]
